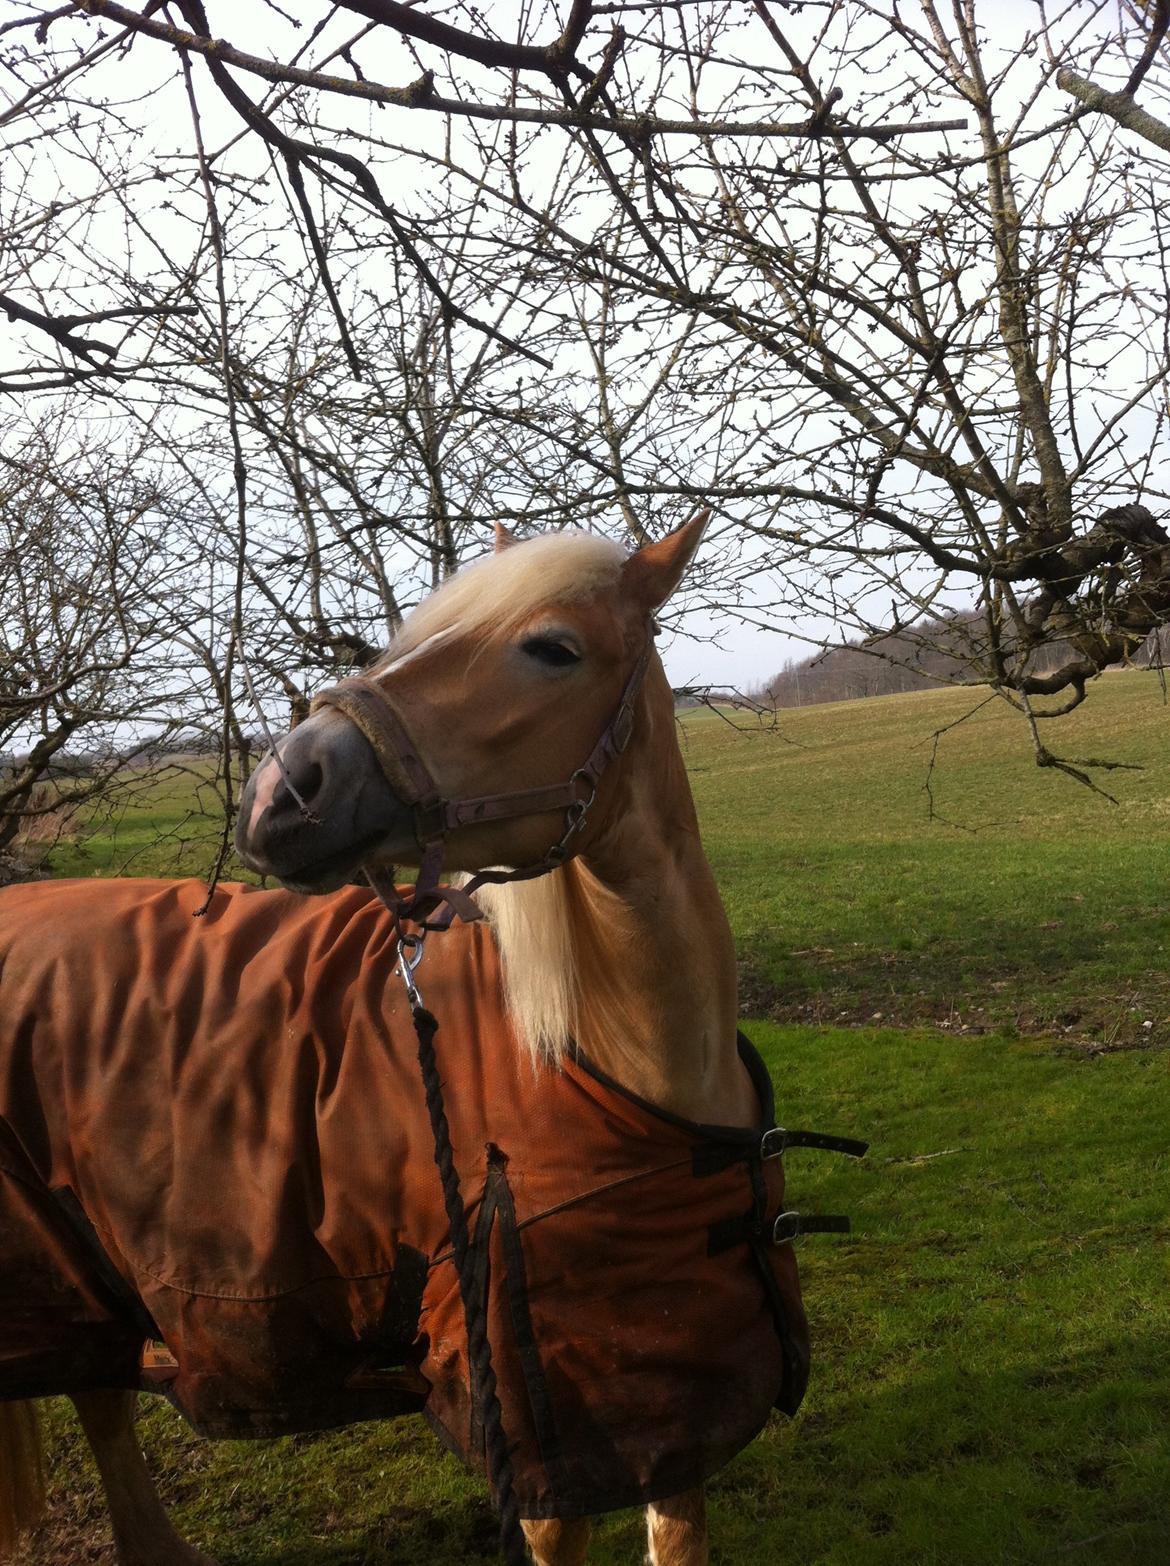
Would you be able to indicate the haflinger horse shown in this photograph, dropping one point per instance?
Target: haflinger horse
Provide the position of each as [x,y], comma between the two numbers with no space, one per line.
[217,1175]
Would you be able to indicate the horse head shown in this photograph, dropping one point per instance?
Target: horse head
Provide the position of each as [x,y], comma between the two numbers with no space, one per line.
[488,725]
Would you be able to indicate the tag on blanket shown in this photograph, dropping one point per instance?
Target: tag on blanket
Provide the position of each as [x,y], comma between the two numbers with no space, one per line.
[158,1363]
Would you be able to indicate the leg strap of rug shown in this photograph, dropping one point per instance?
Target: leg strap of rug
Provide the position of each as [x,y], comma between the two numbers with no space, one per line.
[483,1376]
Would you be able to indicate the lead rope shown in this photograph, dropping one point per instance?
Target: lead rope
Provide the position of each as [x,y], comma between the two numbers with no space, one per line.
[479,1349]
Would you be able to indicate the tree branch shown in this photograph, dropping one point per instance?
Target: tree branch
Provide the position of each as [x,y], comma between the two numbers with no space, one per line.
[1118,106]
[420,94]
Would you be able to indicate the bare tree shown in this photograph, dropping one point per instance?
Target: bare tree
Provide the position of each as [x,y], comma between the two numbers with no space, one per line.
[89,583]
[873,280]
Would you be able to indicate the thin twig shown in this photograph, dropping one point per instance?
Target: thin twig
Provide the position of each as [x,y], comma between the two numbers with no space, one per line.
[927,785]
[309,815]
[715,697]
[240,473]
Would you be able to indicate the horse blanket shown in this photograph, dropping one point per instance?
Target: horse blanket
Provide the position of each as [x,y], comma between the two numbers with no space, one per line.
[213,1135]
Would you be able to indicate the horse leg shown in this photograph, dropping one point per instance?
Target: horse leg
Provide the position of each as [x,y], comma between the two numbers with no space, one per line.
[142,1530]
[22,1476]
[677,1530]
[557,1543]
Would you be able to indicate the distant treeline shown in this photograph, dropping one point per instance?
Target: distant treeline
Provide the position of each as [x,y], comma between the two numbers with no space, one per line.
[944,651]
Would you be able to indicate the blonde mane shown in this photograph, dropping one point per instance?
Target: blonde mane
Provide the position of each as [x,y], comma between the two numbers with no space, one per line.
[532,924]
[495,595]
[558,991]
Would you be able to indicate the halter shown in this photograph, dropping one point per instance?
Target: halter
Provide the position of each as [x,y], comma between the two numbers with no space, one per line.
[369,707]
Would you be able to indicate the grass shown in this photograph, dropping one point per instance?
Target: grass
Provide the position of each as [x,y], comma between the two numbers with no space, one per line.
[992,1344]
[1034,905]
[152,825]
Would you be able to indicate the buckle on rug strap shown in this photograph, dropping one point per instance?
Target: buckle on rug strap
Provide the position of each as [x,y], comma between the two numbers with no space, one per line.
[725,1233]
[776,1142]
[791,1225]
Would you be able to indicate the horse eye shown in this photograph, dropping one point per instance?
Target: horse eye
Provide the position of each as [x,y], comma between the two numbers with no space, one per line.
[547,651]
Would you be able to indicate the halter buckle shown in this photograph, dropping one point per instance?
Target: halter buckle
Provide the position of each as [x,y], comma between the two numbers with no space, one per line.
[430,821]
[582,805]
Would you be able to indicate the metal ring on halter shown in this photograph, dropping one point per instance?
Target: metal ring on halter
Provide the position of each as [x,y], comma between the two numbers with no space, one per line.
[575,816]
[410,954]
[590,783]
[578,809]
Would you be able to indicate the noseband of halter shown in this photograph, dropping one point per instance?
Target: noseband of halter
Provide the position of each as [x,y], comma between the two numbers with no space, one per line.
[367,705]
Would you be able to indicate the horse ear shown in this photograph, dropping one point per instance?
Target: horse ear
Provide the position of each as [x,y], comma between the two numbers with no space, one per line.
[654,572]
[505,538]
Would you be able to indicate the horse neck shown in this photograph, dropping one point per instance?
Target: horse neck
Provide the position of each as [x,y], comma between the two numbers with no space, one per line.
[627,952]
[656,983]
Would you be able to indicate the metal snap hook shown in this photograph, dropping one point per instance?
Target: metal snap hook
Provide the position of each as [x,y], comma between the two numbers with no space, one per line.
[410,954]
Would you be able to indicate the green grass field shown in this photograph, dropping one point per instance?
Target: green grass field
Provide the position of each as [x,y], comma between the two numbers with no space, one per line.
[1033,904]
[992,1344]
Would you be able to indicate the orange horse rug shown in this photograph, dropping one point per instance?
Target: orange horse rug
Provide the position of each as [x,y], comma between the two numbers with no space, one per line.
[213,1136]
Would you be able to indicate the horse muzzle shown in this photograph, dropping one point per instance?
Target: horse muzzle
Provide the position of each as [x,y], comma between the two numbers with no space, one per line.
[321,806]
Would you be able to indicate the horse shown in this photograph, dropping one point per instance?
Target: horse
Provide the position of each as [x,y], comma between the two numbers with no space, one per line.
[206,1133]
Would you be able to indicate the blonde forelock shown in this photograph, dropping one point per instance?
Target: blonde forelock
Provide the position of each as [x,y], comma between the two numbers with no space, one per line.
[497,594]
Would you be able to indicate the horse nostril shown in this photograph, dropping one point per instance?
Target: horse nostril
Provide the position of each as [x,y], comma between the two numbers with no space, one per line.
[306,779]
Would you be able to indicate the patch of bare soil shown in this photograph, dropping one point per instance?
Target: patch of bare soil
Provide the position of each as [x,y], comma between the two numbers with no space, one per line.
[1137,1018]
